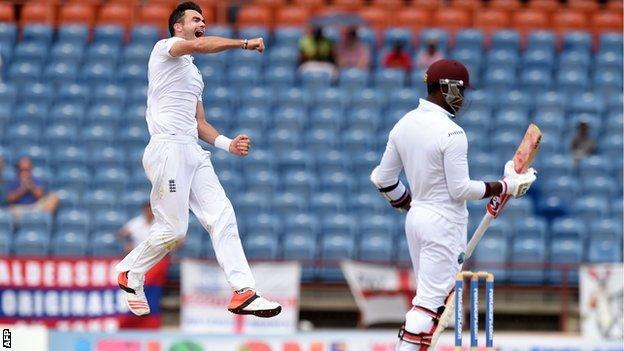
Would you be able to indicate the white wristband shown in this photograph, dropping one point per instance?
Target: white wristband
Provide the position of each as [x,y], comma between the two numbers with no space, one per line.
[505,187]
[223,142]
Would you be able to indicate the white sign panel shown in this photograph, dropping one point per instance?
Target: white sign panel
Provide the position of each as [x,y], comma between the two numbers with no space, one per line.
[602,301]
[206,294]
[382,293]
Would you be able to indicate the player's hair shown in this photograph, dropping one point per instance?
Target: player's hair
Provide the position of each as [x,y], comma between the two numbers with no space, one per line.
[178,14]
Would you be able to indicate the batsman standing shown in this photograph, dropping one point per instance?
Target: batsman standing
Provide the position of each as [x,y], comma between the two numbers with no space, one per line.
[432,150]
[181,173]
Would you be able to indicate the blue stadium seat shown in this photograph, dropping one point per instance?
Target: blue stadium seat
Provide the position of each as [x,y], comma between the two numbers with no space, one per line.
[610,41]
[284,56]
[36,92]
[103,52]
[506,39]
[109,34]
[590,208]
[69,197]
[218,61]
[375,247]
[320,140]
[255,117]
[109,114]
[6,221]
[73,34]
[604,249]
[605,81]
[594,166]
[289,118]
[31,243]
[327,118]
[528,255]
[97,200]
[230,181]
[518,210]
[261,247]
[542,59]
[389,78]
[502,58]
[541,39]
[302,222]
[287,36]
[565,254]
[491,255]
[109,220]
[550,120]
[132,200]
[506,144]
[587,102]
[60,73]
[220,95]
[499,79]
[404,98]
[39,33]
[97,73]
[577,41]
[512,119]
[279,76]
[295,160]
[68,53]
[73,93]
[30,112]
[483,163]
[250,203]
[364,162]
[73,220]
[105,244]
[110,94]
[22,134]
[67,156]
[110,177]
[332,160]
[23,72]
[284,139]
[262,182]
[192,246]
[334,248]
[367,98]
[564,186]
[472,39]
[288,203]
[555,165]
[300,246]
[97,136]
[8,32]
[69,115]
[293,98]
[6,242]
[326,203]
[357,140]
[609,228]
[353,79]
[30,52]
[572,80]
[337,223]
[552,206]
[608,60]
[329,98]
[611,144]
[145,34]
[313,80]
[603,187]
[337,182]
[550,99]
[375,224]
[363,118]
[569,227]
[69,244]
[8,93]
[266,223]
[530,226]
[300,183]
[536,80]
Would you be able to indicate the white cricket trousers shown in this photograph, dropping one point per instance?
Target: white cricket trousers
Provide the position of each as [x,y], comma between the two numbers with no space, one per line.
[434,245]
[182,177]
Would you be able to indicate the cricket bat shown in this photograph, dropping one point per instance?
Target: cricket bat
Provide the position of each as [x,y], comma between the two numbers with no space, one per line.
[523,158]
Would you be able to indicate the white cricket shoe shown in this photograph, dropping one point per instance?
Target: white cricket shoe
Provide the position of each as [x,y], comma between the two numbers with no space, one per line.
[135,297]
[249,302]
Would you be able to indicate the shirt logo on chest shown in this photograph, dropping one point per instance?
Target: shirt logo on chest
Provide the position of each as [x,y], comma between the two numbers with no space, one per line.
[172,186]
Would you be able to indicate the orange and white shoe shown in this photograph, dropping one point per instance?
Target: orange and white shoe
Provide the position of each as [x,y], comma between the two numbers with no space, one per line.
[135,297]
[249,302]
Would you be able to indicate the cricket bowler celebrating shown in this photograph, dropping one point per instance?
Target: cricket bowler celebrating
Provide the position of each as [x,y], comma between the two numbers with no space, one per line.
[432,150]
[181,173]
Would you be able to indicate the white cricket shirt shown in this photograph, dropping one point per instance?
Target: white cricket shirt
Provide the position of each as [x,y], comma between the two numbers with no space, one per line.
[174,87]
[433,151]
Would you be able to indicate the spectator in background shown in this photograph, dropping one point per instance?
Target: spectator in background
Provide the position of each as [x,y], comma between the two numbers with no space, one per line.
[582,144]
[316,53]
[137,229]
[398,57]
[352,53]
[429,55]
[27,193]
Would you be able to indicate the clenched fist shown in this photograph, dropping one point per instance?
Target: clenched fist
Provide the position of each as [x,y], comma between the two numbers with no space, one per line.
[240,145]
[256,44]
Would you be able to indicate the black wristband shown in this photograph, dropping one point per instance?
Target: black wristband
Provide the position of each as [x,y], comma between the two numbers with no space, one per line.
[245,43]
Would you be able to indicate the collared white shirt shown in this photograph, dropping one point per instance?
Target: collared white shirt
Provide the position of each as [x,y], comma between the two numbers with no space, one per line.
[175,86]
[433,151]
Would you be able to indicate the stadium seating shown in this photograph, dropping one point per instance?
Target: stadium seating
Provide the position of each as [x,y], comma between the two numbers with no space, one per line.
[73,98]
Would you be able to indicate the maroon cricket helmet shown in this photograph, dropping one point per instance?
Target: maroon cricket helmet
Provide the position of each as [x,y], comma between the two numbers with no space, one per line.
[447,69]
